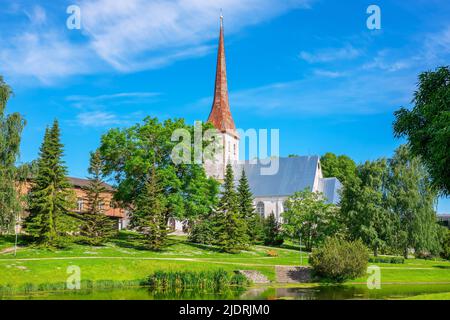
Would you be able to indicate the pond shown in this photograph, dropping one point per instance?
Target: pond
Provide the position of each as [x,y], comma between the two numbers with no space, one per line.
[254,293]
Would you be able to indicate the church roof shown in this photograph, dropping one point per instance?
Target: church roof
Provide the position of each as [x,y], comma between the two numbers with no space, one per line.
[220,115]
[330,188]
[294,174]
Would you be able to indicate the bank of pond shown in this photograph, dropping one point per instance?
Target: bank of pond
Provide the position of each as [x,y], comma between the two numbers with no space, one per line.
[214,285]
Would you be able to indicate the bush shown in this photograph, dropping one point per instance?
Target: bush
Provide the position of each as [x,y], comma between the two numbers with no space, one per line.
[202,232]
[272,231]
[272,253]
[339,260]
[393,260]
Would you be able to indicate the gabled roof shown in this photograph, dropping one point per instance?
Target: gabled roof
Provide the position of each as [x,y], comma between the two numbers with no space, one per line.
[81,183]
[330,187]
[294,174]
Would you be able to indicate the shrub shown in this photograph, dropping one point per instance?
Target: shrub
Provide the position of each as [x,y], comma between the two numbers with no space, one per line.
[393,260]
[272,231]
[339,260]
[272,253]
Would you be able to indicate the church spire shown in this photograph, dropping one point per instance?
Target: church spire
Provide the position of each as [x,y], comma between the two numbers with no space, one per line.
[220,115]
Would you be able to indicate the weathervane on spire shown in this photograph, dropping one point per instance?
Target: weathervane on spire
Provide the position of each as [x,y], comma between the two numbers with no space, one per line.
[221,18]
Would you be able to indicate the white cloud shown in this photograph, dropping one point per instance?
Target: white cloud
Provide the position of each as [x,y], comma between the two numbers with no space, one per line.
[328,73]
[125,36]
[138,34]
[354,93]
[330,54]
[37,15]
[45,56]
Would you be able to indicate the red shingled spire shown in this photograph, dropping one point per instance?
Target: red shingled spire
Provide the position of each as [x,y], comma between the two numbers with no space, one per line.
[220,115]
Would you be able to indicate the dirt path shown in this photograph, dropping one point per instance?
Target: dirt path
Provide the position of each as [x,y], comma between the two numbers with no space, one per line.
[143,259]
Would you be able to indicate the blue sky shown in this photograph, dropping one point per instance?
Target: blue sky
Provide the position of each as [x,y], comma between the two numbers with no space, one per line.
[309,68]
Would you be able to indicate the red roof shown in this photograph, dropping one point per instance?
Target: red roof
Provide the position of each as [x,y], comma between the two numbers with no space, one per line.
[220,115]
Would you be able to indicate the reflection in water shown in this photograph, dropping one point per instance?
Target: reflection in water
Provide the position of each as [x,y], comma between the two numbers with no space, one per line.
[259,293]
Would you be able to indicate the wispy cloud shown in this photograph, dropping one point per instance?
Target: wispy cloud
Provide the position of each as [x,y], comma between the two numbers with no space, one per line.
[96,111]
[330,54]
[125,36]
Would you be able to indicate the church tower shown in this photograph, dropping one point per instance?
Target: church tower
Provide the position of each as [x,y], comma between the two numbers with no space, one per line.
[220,117]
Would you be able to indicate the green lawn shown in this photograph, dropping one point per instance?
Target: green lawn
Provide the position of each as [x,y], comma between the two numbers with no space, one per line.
[126,259]
[434,296]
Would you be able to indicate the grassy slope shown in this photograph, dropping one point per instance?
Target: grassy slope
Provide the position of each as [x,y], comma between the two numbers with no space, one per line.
[126,259]
[434,296]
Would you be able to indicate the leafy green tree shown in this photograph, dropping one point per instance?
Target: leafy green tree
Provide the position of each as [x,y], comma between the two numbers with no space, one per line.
[341,167]
[51,197]
[11,127]
[230,227]
[96,227]
[247,210]
[363,206]
[427,125]
[130,153]
[445,242]
[411,199]
[150,212]
[273,235]
[308,214]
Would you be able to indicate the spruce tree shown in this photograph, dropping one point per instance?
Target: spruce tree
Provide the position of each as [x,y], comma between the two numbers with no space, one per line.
[51,196]
[151,210]
[272,231]
[97,227]
[247,210]
[230,227]
[11,127]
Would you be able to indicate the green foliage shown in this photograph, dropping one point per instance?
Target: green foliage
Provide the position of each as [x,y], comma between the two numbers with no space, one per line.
[214,280]
[130,153]
[341,167]
[51,196]
[445,243]
[340,260]
[247,210]
[363,206]
[96,227]
[411,199]
[307,213]
[151,210]
[11,127]
[427,125]
[393,260]
[272,231]
[229,227]
[202,230]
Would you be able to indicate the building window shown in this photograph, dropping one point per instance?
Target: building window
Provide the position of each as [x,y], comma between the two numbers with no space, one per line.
[234,145]
[80,204]
[260,208]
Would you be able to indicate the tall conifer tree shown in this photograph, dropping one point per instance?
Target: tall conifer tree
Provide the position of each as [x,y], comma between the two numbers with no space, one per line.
[151,210]
[51,196]
[231,228]
[97,227]
[247,210]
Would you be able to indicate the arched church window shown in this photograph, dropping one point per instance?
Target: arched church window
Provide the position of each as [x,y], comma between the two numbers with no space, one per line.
[260,208]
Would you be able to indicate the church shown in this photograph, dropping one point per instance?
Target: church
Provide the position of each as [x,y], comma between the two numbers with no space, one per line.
[270,191]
